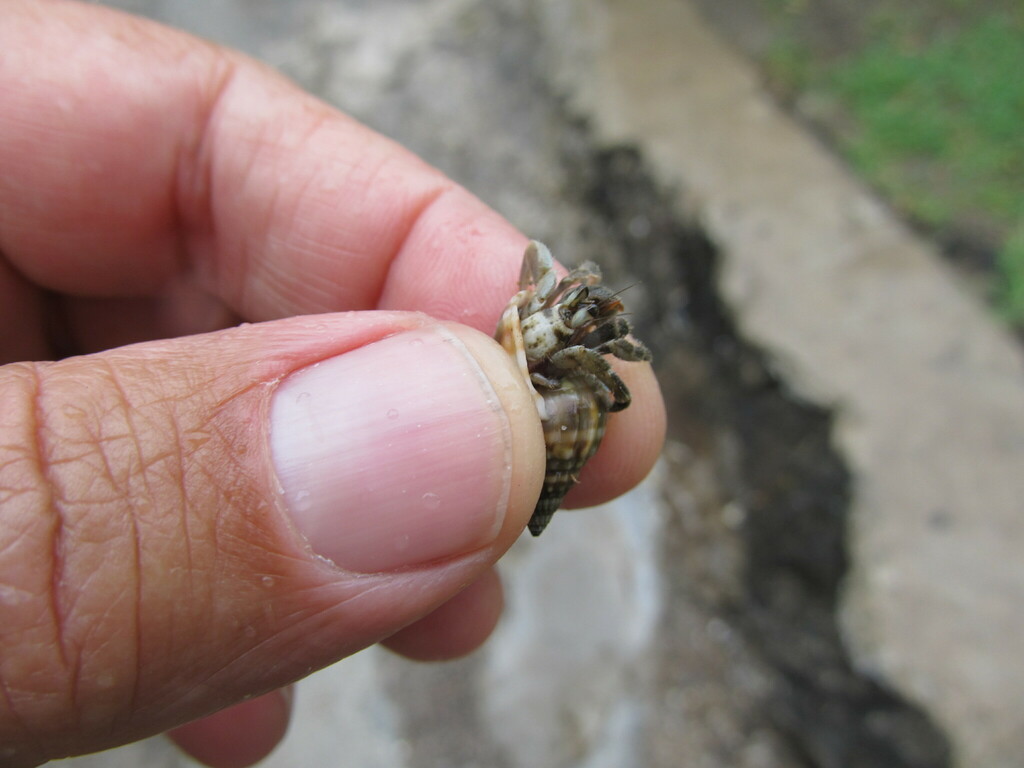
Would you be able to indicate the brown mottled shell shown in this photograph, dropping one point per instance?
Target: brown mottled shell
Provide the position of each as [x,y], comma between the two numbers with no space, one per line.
[572,432]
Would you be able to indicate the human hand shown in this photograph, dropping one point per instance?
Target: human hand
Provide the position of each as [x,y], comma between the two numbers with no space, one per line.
[210,514]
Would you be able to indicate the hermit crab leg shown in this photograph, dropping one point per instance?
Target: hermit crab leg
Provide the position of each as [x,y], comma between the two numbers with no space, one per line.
[583,363]
[511,337]
[538,270]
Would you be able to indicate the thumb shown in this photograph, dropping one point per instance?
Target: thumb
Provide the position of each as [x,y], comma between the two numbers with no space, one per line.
[184,524]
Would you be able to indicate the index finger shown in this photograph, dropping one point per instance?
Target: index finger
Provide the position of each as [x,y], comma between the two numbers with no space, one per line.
[140,154]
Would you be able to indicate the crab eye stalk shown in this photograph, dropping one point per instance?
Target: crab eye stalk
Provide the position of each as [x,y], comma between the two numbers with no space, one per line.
[575,296]
[583,315]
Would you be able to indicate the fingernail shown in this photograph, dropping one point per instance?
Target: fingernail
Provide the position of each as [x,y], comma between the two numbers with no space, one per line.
[393,454]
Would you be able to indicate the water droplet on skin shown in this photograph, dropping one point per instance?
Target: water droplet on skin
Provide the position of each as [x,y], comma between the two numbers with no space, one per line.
[431,500]
[268,581]
[302,397]
[13,596]
[393,414]
[303,501]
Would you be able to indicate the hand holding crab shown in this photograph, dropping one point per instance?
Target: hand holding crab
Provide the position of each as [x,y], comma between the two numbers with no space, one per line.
[279,493]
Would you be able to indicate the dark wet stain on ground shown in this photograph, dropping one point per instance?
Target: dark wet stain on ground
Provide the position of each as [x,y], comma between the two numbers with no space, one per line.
[757,535]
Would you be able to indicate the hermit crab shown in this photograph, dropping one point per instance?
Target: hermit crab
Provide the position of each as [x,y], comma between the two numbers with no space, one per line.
[557,332]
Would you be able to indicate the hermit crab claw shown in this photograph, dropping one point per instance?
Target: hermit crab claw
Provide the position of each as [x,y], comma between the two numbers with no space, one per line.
[538,270]
[557,332]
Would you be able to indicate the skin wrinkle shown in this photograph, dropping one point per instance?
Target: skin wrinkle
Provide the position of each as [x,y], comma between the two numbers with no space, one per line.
[307,626]
[8,696]
[430,197]
[247,246]
[12,710]
[36,444]
[193,196]
[124,404]
[232,521]
[429,202]
[184,516]
[37,430]
[214,439]
[262,274]
[192,177]
[86,641]
[93,446]
[141,470]
[213,482]
[278,275]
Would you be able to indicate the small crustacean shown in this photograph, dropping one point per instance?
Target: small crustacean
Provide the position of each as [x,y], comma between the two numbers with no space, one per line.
[557,331]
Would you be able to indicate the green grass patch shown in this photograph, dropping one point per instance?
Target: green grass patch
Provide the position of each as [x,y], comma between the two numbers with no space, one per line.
[951,107]
[931,111]
[1011,265]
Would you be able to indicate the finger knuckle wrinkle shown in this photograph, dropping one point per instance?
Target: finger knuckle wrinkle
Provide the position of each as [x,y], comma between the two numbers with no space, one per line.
[34,667]
[70,460]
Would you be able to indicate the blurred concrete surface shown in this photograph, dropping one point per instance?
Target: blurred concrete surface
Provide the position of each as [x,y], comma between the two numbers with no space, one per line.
[660,631]
[859,314]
